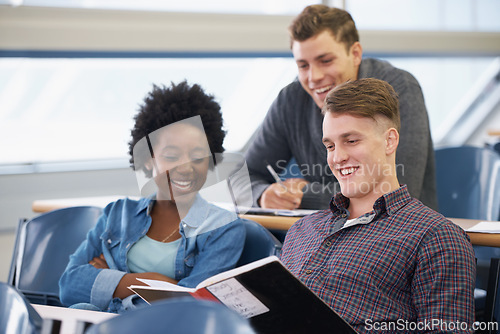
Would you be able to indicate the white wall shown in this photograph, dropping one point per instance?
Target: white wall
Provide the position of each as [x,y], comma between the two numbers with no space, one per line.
[38,28]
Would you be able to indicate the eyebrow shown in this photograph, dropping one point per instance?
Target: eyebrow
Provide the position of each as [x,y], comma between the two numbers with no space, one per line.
[348,134]
[169,147]
[178,148]
[321,56]
[345,135]
[324,55]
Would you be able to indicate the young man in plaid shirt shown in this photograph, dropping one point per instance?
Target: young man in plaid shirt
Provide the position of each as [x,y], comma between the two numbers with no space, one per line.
[379,257]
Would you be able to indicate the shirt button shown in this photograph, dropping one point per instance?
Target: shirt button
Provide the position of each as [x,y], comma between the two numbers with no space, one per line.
[343,215]
[328,243]
[308,272]
[109,241]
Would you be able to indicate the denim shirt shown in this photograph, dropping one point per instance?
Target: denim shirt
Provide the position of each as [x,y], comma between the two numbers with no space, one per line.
[212,240]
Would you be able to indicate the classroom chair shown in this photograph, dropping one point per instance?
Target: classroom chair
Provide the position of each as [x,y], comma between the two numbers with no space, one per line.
[468,182]
[492,305]
[259,243]
[495,146]
[468,186]
[16,313]
[42,249]
[180,316]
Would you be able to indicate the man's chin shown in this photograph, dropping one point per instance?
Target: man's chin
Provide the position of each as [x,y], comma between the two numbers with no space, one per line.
[349,192]
[320,105]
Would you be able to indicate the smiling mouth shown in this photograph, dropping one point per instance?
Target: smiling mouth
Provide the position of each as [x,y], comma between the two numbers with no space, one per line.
[347,171]
[323,89]
[183,185]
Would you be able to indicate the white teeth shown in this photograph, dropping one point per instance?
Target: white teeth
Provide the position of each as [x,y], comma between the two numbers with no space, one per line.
[322,90]
[347,171]
[182,183]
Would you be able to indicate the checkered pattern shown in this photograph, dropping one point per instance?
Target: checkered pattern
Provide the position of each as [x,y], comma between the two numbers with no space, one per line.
[408,262]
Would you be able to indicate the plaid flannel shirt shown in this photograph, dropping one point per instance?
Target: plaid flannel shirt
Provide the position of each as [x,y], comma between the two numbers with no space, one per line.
[402,266]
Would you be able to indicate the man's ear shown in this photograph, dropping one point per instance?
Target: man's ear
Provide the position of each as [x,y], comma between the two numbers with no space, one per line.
[391,141]
[357,53]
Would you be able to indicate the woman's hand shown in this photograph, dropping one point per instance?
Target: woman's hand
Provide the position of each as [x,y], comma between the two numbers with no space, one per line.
[99,262]
[129,279]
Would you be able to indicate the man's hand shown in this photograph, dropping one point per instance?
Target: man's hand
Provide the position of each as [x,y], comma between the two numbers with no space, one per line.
[276,197]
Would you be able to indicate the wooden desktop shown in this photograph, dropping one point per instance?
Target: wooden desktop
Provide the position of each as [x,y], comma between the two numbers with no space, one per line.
[272,222]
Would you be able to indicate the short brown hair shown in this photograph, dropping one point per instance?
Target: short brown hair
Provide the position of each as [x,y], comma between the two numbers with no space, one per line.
[315,19]
[367,97]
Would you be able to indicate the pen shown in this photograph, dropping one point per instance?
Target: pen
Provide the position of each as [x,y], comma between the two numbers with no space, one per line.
[275,175]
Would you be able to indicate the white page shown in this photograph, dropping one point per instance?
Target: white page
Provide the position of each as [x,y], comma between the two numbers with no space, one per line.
[162,285]
[257,210]
[485,227]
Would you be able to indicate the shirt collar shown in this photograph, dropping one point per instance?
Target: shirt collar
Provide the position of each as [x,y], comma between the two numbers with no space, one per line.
[390,202]
[193,218]
[198,212]
[145,204]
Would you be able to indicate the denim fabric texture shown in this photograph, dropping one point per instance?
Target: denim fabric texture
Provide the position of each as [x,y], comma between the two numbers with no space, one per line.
[212,240]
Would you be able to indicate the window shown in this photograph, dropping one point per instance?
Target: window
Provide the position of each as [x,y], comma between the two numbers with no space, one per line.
[63,109]
[444,81]
[426,15]
[63,105]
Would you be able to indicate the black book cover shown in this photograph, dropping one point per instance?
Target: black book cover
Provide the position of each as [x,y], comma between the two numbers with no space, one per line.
[265,292]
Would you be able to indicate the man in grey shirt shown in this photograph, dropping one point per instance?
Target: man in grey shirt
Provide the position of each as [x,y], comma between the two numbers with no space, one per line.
[325,45]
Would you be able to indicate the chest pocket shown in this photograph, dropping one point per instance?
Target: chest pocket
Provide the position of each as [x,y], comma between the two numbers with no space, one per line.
[111,250]
[108,240]
[190,260]
[192,250]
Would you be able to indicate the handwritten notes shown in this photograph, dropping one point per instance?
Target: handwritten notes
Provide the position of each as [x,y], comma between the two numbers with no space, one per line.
[232,294]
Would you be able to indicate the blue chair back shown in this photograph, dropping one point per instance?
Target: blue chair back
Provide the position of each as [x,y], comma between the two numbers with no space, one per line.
[179,316]
[42,249]
[492,303]
[468,186]
[16,313]
[259,243]
[468,182]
